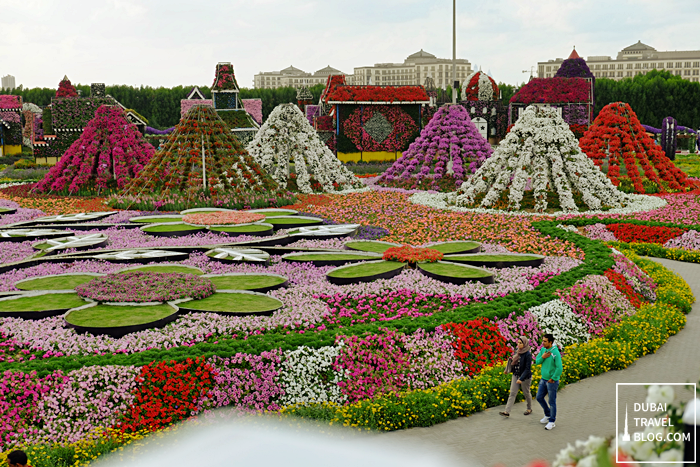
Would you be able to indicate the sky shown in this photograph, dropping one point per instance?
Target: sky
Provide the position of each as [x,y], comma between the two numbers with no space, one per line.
[169,43]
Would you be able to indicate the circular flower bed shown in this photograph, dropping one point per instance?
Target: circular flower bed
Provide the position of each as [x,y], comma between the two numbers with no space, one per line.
[143,287]
[222,218]
[409,254]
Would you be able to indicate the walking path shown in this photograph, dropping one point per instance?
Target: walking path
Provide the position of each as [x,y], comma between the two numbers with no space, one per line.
[584,408]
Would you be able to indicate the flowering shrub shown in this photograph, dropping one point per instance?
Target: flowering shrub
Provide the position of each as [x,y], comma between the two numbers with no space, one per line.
[599,232]
[245,381]
[286,127]
[450,145]
[409,254]
[636,277]
[167,392]
[108,155]
[477,343]
[515,326]
[541,148]
[137,286]
[617,136]
[690,240]
[373,365]
[553,90]
[8,101]
[621,284]
[557,318]
[480,87]
[431,359]
[308,375]
[66,89]
[597,302]
[644,233]
[222,217]
[401,129]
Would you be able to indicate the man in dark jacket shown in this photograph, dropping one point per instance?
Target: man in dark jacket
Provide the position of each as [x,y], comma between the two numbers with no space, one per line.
[521,364]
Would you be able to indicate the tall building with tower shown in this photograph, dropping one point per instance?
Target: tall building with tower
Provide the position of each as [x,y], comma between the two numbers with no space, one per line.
[8,82]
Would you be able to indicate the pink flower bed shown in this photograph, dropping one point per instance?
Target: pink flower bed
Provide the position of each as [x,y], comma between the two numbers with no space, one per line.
[222,218]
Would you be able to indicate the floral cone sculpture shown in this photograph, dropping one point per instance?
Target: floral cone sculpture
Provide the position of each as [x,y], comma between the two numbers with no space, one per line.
[618,136]
[287,137]
[201,159]
[108,154]
[66,89]
[450,146]
[541,148]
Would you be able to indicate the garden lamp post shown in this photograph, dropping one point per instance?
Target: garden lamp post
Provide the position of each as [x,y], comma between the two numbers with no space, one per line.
[454,51]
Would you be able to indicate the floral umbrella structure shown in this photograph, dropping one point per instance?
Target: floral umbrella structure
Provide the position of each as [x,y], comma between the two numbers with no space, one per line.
[480,87]
[287,138]
[108,154]
[541,150]
[449,146]
[618,138]
[201,160]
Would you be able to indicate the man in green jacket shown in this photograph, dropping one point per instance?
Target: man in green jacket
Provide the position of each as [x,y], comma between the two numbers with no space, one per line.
[550,359]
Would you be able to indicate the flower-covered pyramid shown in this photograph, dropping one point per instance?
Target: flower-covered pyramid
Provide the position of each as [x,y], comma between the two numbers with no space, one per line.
[107,155]
[618,138]
[574,67]
[541,151]
[287,137]
[449,147]
[480,87]
[66,89]
[201,160]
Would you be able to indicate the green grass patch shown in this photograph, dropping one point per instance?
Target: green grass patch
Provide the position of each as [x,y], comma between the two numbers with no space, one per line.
[156,220]
[453,270]
[55,282]
[275,213]
[494,258]
[45,302]
[242,228]
[165,269]
[257,281]
[288,220]
[234,303]
[374,247]
[42,246]
[367,269]
[447,248]
[173,228]
[108,316]
[322,257]
[688,163]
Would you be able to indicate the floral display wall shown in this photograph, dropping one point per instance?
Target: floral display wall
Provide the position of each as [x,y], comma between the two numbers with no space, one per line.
[371,127]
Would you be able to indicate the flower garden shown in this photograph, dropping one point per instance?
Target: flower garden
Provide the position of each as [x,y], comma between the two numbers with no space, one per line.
[143,287]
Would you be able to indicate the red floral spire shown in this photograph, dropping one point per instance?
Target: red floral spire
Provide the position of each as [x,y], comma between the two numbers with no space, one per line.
[66,89]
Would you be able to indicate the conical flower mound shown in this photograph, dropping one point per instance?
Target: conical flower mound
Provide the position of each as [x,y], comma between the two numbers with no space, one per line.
[287,137]
[109,153]
[201,158]
[449,146]
[539,150]
[618,137]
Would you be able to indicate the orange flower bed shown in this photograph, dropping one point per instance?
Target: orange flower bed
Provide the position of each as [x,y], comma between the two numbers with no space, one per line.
[409,254]
[222,218]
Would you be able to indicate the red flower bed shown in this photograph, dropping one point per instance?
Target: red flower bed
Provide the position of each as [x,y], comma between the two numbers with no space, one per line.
[478,343]
[377,94]
[553,90]
[623,286]
[644,233]
[167,393]
[409,254]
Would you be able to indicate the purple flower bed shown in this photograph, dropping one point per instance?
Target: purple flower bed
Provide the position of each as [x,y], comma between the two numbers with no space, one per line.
[142,287]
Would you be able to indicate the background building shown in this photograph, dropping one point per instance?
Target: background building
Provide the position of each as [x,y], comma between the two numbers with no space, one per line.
[636,59]
[413,70]
[8,82]
[292,76]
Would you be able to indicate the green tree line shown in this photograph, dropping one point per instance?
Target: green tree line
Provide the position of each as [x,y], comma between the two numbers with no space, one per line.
[161,106]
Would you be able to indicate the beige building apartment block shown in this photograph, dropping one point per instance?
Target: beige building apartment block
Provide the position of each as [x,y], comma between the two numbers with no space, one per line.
[294,77]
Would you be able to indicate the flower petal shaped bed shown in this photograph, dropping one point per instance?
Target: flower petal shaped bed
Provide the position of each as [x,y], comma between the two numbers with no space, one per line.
[234,303]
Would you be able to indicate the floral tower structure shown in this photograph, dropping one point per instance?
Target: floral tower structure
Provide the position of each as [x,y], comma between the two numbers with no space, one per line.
[482,102]
[228,105]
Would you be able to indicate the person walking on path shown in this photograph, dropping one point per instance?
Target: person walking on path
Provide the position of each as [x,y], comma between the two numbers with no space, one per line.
[522,376]
[550,359]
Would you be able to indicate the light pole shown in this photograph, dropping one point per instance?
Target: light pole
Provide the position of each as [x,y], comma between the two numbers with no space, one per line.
[454,51]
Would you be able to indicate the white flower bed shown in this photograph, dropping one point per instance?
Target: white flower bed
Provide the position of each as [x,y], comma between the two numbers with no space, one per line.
[307,375]
[557,318]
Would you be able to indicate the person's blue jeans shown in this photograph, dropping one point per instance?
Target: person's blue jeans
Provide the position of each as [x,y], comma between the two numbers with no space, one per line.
[543,389]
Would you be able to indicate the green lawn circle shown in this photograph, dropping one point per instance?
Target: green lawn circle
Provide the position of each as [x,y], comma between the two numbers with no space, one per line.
[235,303]
[43,302]
[57,282]
[112,316]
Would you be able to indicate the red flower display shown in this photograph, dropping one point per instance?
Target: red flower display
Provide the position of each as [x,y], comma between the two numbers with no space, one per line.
[553,90]
[377,94]
[621,284]
[167,392]
[404,129]
[644,233]
[478,343]
[618,136]
[409,254]
[471,93]
[66,89]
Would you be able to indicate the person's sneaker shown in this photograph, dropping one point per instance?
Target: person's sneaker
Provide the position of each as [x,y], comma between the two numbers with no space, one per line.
[550,426]
[545,420]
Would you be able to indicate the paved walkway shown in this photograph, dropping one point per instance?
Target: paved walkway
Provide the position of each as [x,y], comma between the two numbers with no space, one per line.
[584,408]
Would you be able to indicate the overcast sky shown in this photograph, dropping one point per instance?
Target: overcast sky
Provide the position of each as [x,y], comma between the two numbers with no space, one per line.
[173,42]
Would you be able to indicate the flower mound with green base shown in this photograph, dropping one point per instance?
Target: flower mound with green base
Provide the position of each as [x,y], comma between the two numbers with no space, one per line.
[141,287]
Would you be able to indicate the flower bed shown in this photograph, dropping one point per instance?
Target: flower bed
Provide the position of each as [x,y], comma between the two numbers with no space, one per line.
[408,254]
[222,218]
[140,286]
